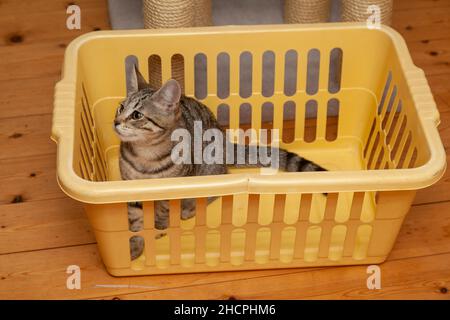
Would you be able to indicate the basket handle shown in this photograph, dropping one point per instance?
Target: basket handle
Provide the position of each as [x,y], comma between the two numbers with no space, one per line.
[422,96]
[63,109]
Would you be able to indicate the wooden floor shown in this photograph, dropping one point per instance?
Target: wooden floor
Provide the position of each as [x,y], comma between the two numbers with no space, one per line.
[42,231]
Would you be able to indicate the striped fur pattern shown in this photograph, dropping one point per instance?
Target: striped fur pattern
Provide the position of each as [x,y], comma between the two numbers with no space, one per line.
[144,123]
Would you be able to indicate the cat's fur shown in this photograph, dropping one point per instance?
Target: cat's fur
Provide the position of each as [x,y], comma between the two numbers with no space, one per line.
[144,123]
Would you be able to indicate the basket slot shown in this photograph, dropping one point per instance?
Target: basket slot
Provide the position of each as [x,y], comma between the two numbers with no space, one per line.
[238,246]
[335,70]
[332,127]
[187,240]
[200,233]
[263,238]
[287,244]
[393,122]
[223,75]
[290,72]
[252,219]
[266,205]
[302,224]
[313,235]
[276,227]
[387,107]
[318,207]
[336,246]
[362,241]
[245,74]
[413,159]
[290,130]
[407,153]
[225,228]
[357,203]
[397,137]
[177,69]
[330,210]
[388,112]
[369,141]
[268,74]
[325,239]
[245,115]
[350,238]
[223,115]
[374,150]
[386,88]
[100,160]
[154,71]
[83,171]
[312,73]
[86,105]
[380,158]
[311,128]
[403,145]
[85,160]
[174,222]
[149,225]
[267,113]
[200,76]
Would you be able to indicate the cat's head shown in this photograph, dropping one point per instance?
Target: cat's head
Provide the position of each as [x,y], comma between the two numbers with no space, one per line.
[146,113]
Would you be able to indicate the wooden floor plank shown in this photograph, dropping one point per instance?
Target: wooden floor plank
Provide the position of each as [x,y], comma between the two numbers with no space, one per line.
[421,24]
[24,271]
[14,103]
[45,21]
[32,178]
[47,232]
[433,56]
[400,5]
[43,224]
[26,136]
[415,278]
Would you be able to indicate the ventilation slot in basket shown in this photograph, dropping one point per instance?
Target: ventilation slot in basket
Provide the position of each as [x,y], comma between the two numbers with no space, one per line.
[91,165]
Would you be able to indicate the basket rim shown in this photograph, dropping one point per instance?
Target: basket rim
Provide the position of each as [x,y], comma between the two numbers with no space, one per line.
[102,192]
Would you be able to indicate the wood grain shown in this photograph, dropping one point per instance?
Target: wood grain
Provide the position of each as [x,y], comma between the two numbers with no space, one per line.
[44,231]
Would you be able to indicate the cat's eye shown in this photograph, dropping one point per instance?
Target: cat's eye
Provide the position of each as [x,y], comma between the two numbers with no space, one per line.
[120,109]
[136,115]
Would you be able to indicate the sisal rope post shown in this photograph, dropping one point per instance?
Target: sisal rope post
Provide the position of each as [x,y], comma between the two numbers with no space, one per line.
[161,14]
[357,10]
[306,11]
[203,13]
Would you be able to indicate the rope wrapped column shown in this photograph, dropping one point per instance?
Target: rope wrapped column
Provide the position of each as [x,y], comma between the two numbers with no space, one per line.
[306,11]
[357,10]
[160,14]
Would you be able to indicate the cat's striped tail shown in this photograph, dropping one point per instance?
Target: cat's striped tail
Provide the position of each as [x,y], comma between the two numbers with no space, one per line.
[287,161]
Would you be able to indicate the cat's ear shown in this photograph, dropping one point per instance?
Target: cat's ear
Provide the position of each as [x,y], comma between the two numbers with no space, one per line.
[135,80]
[168,95]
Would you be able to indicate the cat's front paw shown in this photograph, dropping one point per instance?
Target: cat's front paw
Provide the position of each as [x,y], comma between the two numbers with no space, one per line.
[136,246]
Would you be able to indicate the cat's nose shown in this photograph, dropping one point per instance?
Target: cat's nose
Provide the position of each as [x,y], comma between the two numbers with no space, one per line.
[116,123]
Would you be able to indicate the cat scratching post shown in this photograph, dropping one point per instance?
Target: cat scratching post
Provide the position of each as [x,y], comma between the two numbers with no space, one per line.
[356,10]
[306,11]
[174,14]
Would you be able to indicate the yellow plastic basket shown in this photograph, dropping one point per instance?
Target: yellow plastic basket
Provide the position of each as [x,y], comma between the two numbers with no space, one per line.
[385,146]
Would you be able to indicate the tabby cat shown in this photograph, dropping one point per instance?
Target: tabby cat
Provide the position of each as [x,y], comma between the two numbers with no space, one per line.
[144,122]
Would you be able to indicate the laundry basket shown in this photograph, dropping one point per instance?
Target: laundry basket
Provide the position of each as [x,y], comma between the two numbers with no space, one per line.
[354,103]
